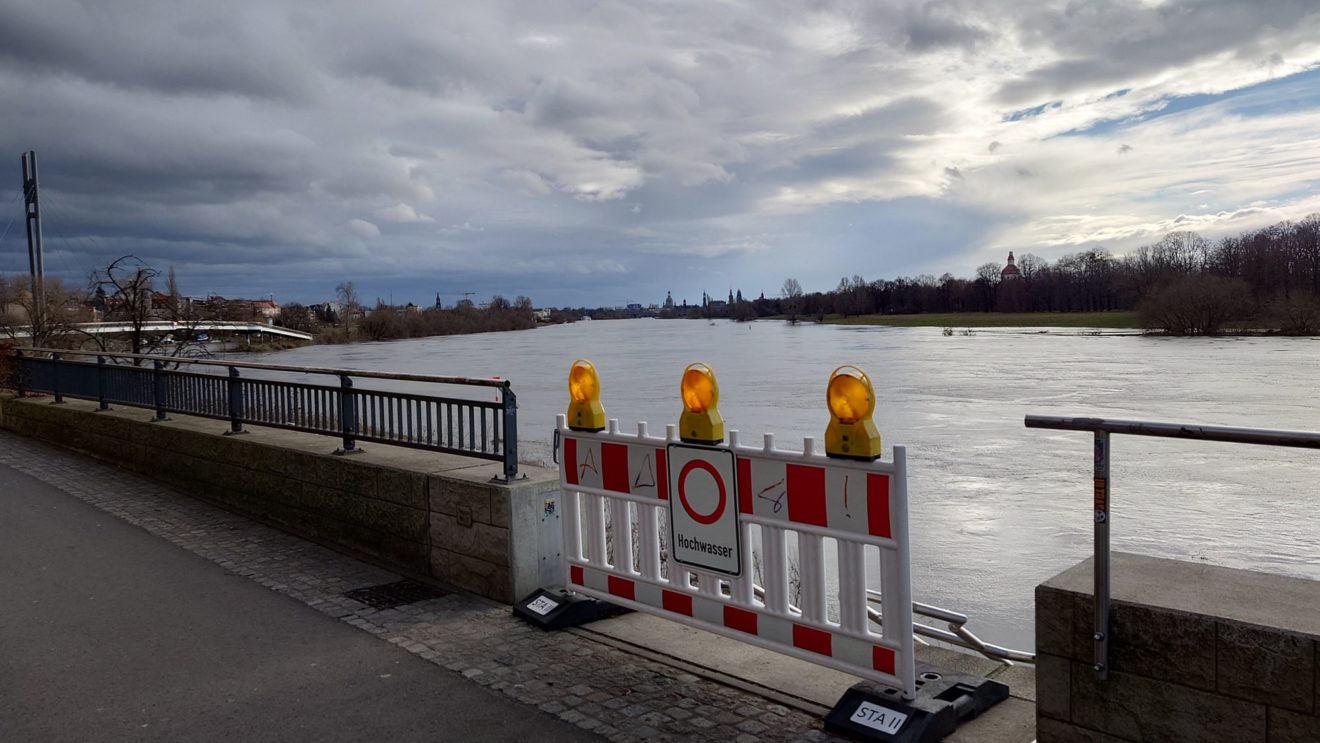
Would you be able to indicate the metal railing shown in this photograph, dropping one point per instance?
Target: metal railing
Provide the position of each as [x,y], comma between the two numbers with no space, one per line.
[473,428]
[1102,427]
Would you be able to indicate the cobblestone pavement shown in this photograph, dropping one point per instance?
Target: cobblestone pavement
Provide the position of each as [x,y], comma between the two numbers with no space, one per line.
[593,685]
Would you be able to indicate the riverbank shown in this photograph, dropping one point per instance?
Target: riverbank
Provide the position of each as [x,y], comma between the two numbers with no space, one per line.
[1125,320]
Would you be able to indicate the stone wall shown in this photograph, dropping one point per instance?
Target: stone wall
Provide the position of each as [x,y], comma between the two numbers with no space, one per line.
[1197,653]
[425,513]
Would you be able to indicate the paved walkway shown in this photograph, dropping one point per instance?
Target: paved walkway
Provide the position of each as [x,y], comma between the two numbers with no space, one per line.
[109,633]
[119,635]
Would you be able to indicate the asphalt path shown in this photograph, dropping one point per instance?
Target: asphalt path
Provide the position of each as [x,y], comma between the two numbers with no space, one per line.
[108,633]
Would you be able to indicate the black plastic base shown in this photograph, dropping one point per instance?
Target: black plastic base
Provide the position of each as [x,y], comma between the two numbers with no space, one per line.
[872,712]
[555,608]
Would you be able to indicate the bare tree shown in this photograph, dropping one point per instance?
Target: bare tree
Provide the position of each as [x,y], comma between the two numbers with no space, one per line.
[53,325]
[792,293]
[128,283]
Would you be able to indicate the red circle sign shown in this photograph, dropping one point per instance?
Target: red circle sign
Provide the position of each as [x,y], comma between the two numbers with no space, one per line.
[713,516]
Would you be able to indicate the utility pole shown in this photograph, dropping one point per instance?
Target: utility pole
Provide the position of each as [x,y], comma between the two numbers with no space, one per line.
[36,257]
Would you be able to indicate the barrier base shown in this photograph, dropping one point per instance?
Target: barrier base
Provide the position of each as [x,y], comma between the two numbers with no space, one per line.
[556,608]
[872,712]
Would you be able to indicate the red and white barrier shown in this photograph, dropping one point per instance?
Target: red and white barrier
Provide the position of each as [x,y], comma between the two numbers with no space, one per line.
[720,506]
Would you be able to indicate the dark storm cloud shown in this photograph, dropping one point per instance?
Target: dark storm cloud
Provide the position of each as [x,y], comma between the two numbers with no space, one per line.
[194,48]
[1106,42]
[571,151]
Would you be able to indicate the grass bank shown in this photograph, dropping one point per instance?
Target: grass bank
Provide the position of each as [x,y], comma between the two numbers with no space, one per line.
[1122,320]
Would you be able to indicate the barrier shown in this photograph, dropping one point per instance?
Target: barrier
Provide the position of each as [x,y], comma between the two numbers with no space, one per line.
[727,513]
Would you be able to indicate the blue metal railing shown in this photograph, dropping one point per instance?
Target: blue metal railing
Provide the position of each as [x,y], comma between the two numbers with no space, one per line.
[474,428]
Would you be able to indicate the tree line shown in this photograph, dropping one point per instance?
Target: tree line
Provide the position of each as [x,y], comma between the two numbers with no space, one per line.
[346,319]
[1182,284]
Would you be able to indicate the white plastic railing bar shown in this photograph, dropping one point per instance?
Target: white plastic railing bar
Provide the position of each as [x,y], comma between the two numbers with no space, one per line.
[820,531]
[793,457]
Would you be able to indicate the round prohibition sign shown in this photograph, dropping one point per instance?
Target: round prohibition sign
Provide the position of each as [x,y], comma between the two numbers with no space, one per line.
[713,516]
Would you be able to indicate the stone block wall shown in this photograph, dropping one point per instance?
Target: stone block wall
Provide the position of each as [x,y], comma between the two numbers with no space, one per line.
[1197,653]
[425,513]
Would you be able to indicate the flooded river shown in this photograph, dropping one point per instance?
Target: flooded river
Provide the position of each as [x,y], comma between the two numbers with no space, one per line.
[995,507]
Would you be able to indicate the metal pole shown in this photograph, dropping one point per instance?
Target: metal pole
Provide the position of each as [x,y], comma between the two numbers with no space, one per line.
[102,404]
[158,388]
[55,379]
[235,404]
[1101,635]
[36,259]
[510,433]
[347,415]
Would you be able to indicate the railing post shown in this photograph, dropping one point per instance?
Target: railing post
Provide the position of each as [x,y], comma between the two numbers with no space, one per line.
[18,371]
[510,412]
[348,415]
[158,389]
[235,404]
[55,379]
[101,403]
[1101,636]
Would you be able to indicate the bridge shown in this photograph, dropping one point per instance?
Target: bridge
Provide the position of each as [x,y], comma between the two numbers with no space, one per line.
[172,326]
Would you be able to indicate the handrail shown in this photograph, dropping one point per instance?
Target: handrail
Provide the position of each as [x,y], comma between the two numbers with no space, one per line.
[1262,436]
[1102,428]
[455,425]
[360,373]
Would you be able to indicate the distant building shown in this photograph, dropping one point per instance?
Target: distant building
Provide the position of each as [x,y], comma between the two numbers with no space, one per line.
[1011,270]
[669,301]
[635,309]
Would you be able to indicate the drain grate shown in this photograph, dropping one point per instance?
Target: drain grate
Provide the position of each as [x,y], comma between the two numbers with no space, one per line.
[390,595]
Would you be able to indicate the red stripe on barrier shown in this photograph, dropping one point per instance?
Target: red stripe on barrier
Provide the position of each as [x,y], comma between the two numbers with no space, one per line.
[882,659]
[661,475]
[745,500]
[575,575]
[877,505]
[570,461]
[740,619]
[622,587]
[614,467]
[806,495]
[815,640]
[676,602]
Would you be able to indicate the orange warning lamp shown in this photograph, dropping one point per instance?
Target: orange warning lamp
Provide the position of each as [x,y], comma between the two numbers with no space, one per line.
[585,413]
[701,422]
[851,433]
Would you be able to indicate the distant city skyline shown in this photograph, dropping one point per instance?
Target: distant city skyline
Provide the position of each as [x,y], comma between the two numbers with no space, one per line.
[598,154]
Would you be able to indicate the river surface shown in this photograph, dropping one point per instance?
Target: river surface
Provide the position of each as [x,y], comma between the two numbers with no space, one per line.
[996,508]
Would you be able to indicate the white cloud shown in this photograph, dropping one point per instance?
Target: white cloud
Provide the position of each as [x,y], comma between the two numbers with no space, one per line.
[402,214]
[363,229]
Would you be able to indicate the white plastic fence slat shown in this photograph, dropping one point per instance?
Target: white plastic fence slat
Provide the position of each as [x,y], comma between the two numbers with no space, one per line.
[902,575]
[855,504]
[776,569]
[852,585]
[811,572]
[596,530]
[621,525]
[648,537]
[743,590]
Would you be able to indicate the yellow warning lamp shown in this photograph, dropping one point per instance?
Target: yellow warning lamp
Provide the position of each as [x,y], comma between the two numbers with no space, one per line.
[701,422]
[851,433]
[585,413]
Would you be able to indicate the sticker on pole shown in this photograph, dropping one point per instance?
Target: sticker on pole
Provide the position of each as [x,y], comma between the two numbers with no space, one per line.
[703,508]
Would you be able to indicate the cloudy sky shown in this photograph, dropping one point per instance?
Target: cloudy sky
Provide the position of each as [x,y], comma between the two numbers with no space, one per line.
[607,152]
